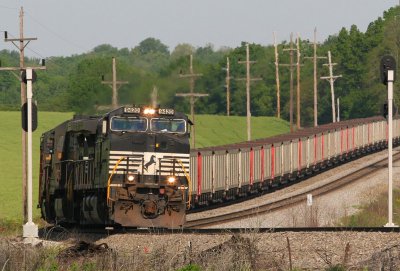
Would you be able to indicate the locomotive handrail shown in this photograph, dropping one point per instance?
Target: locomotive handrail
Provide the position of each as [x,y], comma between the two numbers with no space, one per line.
[109,179]
[189,181]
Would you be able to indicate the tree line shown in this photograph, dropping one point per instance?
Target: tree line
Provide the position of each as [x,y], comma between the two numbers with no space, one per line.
[73,83]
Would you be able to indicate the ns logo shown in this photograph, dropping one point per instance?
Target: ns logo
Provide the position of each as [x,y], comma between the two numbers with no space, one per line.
[149,165]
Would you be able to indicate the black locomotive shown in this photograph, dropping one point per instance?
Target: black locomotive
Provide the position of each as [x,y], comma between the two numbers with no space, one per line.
[129,167]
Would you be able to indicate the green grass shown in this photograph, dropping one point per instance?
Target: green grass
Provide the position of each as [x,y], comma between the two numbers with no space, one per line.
[211,131]
[11,160]
[375,213]
[214,130]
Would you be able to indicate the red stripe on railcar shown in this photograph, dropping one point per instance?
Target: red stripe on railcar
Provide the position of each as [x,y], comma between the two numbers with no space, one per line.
[272,162]
[262,164]
[251,166]
[199,173]
[354,133]
[347,132]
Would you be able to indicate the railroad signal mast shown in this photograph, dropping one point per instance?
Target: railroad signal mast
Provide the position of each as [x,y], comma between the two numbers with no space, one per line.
[387,72]
[248,81]
[331,78]
[192,95]
[114,84]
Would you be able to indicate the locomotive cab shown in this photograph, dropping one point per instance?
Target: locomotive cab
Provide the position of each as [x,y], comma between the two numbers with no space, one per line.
[148,166]
[129,167]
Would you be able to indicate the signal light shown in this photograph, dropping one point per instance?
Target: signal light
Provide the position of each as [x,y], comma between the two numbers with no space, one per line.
[387,63]
[24,112]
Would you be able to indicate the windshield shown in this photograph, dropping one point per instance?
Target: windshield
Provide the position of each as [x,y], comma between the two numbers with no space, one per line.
[168,125]
[129,124]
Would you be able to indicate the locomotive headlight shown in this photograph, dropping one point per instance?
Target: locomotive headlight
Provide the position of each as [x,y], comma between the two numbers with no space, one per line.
[171,180]
[149,111]
[131,178]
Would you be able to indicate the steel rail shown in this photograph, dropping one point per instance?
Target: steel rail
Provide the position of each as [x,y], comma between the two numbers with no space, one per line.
[61,234]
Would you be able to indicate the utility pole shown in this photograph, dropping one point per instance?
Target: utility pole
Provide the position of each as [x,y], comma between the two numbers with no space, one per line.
[291,66]
[20,44]
[298,82]
[192,96]
[278,94]
[315,58]
[248,81]
[331,78]
[227,82]
[114,84]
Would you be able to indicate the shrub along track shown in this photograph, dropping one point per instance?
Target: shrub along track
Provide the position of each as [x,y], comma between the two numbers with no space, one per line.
[284,203]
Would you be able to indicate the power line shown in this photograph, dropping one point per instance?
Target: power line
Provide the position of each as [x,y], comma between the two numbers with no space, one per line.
[298,81]
[2,6]
[55,33]
[278,93]
[331,78]
[192,95]
[114,84]
[29,228]
[290,65]
[315,58]
[227,85]
[248,81]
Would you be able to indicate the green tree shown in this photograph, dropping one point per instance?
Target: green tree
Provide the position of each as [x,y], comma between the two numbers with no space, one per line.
[151,45]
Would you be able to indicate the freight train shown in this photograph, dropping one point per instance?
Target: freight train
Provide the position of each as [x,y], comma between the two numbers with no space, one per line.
[133,166]
[233,171]
[128,167]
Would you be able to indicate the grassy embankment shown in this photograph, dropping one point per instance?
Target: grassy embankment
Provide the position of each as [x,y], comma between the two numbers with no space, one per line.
[211,130]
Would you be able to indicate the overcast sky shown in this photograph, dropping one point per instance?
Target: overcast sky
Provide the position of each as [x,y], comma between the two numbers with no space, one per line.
[71,27]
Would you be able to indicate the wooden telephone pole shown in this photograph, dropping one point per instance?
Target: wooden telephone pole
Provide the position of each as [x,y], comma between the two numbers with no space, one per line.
[227,85]
[331,78]
[20,44]
[114,84]
[298,81]
[192,95]
[315,58]
[278,94]
[154,97]
[291,66]
[248,81]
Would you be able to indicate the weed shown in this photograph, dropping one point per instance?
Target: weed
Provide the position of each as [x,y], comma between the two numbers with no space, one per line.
[374,213]
[190,267]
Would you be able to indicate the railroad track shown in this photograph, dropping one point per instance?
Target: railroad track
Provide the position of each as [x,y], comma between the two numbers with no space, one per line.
[287,202]
[63,234]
